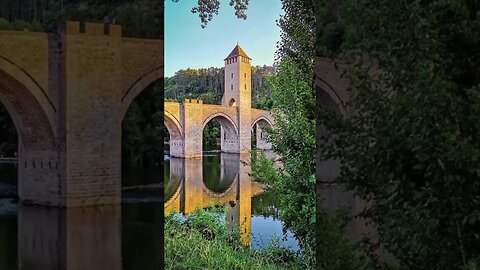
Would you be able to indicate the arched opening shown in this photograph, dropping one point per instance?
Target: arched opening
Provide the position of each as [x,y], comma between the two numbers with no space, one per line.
[8,187]
[8,155]
[142,144]
[232,103]
[260,133]
[172,136]
[27,140]
[326,101]
[212,136]
[219,167]
[220,134]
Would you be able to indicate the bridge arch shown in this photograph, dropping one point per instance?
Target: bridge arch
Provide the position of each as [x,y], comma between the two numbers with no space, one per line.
[132,92]
[21,94]
[138,86]
[262,120]
[174,129]
[38,156]
[18,93]
[229,135]
[224,120]
[259,127]
[173,125]
[332,88]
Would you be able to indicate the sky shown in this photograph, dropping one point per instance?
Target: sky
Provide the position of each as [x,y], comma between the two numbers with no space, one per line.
[187,45]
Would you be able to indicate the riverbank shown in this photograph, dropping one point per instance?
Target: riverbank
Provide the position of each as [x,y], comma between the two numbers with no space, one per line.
[202,240]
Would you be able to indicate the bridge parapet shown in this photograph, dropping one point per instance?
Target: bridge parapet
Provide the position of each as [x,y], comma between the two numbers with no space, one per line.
[89,28]
[194,101]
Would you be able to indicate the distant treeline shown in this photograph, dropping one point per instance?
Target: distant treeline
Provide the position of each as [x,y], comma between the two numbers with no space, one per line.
[139,18]
[208,85]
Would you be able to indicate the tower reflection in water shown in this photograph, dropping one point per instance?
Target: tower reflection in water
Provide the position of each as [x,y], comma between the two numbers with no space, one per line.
[190,187]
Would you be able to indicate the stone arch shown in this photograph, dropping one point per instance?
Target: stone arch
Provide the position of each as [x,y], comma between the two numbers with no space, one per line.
[325,99]
[138,86]
[34,129]
[173,125]
[259,126]
[223,119]
[38,156]
[229,131]
[333,92]
[332,88]
[262,120]
[175,131]
[27,89]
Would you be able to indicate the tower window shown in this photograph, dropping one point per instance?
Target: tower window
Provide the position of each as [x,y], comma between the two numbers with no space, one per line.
[231,86]
[245,75]
[245,86]
[232,75]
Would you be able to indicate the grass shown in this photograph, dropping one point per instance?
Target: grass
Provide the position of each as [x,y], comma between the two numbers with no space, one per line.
[203,241]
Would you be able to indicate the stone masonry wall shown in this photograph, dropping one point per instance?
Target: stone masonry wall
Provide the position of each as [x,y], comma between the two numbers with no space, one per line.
[93,124]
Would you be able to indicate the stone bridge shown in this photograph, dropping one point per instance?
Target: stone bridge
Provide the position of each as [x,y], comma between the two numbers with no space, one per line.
[185,121]
[67,94]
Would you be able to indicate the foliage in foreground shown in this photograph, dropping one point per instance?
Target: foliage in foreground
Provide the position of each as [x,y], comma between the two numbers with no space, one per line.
[412,148]
[294,138]
[202,240]
[336,251]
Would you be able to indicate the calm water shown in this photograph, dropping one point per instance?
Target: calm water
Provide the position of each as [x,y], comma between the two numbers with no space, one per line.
[130,236]
[221,179]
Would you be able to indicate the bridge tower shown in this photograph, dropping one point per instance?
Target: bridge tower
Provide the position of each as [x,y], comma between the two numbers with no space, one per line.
[238,93]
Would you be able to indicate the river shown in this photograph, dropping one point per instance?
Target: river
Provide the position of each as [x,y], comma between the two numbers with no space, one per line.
[222,179]
[130,235]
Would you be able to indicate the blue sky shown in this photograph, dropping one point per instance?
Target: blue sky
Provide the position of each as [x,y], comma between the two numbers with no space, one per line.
[188,45]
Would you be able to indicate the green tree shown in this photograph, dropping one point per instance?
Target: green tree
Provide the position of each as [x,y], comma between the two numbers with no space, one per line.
[293,137]
[206,9]
[211,133]
[208,85]
[411,148]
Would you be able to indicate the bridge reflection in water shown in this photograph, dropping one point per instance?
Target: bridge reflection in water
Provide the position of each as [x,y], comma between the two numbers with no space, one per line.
[104,237]
[76,238]
[188,189]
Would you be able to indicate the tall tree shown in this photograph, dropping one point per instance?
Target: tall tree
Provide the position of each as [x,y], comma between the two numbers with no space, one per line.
[411,147]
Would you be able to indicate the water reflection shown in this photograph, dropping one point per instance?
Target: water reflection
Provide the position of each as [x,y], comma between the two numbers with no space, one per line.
[77,238]
[128,236]
[224,179]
